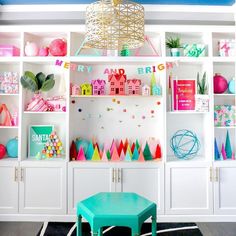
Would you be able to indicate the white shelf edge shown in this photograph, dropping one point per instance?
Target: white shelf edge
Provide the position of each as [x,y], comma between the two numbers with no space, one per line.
[224,94]
[187,112]
[225,127]
[46,112]
[9,127]
[9,94]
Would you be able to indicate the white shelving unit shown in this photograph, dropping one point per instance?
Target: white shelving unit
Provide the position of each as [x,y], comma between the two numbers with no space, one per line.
[184,190]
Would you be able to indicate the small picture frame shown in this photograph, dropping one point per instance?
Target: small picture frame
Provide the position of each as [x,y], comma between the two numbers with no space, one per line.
[37,137]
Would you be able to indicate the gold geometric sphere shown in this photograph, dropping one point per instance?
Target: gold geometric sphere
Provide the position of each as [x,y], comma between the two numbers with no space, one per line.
[111,25]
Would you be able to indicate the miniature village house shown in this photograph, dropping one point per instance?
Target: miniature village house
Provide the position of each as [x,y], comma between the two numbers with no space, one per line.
[86,89]
[117,84]
[146,91]
[98,87]
[134,86]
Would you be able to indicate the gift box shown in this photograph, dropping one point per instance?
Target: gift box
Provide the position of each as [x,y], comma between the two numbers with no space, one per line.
[194,50]
[7,50]
[227,48]
[224,115]
[57,104]
[9,83]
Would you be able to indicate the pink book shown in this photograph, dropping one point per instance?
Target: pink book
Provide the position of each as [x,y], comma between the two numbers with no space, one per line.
[184,95]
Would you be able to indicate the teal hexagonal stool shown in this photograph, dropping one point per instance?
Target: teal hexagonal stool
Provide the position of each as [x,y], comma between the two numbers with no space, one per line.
[116,209]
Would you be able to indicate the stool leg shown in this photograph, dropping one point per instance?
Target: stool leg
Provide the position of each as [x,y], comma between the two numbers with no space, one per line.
[100,231]
[79,226]
[154,226]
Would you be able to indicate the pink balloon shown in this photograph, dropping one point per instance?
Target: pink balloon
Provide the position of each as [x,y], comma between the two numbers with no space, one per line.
[220,84]
[58,47]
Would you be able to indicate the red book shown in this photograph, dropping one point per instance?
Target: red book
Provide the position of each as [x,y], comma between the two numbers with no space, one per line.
[184,95]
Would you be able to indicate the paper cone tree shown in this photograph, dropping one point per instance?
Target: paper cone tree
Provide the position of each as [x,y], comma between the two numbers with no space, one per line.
[73,152]
[228,149]
[113,145]
[135,154]
[152,146]
[146,153]
[141,157]
[233,156]
[115,156]
[129,150]
[158,151]
[90,151]
[137,144]
[120,148]
[104,155]
[223,152]
[221,157]
[53,148]
[126,145]
[96,145]
[216,150]
[108,155]
[81,156]
[132,147]
[153,80]
[96,156]
[122,155]
[127,157]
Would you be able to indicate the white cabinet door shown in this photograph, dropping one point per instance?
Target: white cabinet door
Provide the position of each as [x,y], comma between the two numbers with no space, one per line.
[188,188]
[8,187]
[43,187]
[225,189]
[148,182]
[86,181]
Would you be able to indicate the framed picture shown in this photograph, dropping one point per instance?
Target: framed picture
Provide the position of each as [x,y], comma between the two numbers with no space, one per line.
[38,137]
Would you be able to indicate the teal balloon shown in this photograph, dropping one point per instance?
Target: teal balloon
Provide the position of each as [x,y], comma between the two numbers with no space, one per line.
[231,86]
[12,148]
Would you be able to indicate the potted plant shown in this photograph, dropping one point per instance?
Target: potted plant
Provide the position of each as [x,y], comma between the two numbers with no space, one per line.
[37,83]
[174,45]
[202,98]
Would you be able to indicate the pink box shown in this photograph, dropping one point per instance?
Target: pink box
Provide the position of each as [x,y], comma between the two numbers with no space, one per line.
[9,50]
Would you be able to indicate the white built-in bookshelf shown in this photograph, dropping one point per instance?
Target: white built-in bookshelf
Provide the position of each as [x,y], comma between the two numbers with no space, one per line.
[184,190]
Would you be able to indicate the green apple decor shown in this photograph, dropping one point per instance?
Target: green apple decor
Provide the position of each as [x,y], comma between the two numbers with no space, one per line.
[37,83]
[174,45]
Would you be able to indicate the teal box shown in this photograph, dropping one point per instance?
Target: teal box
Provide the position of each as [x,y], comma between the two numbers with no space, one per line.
[194,50]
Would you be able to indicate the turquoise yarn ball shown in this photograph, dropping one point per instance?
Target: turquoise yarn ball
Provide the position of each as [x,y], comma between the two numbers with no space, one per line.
[185,144]
[231,86]
[12,148]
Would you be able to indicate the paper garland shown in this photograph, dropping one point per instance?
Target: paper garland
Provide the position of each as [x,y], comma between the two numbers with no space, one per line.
[114,152]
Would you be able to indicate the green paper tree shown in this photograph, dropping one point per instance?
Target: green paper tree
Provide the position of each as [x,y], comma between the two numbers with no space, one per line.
[108,155]
[147,153]
[137,144]
[228,149]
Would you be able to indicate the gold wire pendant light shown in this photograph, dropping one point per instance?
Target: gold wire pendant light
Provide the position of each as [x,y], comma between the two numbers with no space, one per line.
[113,24]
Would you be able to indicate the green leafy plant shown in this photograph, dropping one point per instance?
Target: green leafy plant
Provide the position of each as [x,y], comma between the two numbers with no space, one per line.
[173,43]
[37,83]
[201,84]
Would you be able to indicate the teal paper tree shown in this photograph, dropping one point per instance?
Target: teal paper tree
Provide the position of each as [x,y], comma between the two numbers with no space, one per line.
[147,153]
[137,144]
[90,151]
[135,154]
[228,149]
[217,153]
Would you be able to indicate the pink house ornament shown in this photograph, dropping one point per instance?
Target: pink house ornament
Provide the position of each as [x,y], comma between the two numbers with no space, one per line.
[134,86]
[117,84]
[99,87]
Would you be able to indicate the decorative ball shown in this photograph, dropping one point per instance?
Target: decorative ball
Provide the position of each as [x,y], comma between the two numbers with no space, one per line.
[31,49]
[231,86]
[58,47]
[220,84]
[2,151]
[12,148]
[185,144]
[44,52]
